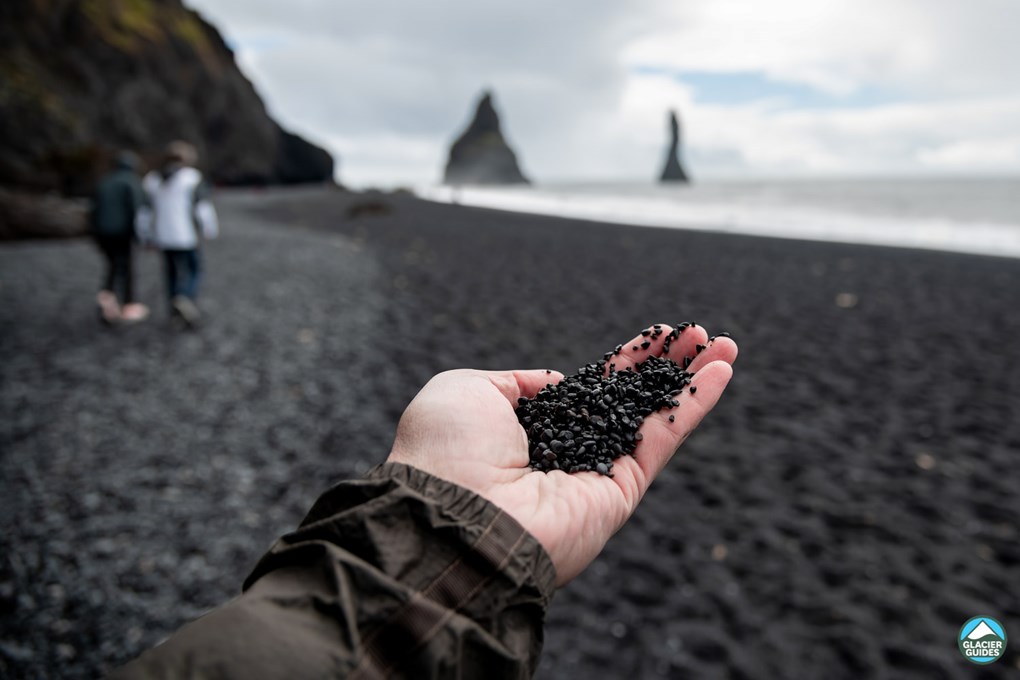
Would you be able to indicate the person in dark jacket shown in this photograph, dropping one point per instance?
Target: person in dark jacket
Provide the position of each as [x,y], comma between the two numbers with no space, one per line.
[116,203]
[441,562]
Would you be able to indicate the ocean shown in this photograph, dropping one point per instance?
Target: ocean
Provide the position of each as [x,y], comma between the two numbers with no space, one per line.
[965,215]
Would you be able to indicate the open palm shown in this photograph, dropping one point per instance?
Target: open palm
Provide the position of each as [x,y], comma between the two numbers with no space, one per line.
[462,427]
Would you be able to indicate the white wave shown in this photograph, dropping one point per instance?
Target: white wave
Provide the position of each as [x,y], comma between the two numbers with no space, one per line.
[768,210]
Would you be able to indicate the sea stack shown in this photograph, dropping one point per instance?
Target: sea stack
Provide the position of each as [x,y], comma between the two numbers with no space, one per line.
[674,172]
[481,155]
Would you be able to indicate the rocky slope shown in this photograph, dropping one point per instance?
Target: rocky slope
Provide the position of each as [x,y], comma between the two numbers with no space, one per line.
[80,78]
[481,155]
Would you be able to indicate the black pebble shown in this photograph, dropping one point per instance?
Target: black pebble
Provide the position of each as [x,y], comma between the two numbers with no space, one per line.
[591,418]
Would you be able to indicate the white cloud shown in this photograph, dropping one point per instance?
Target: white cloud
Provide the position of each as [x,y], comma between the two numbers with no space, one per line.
[1003,153]
[387,86]
[931,47]
[762,138]
[380,158]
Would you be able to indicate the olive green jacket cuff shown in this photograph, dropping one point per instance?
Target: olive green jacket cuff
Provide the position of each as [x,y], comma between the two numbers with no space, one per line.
[397,574]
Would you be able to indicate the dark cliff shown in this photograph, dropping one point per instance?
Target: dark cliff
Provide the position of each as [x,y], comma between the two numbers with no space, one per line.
[81,78]
[674,171]
[481,155]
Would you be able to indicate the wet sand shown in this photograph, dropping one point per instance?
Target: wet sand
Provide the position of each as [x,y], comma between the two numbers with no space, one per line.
[850,503]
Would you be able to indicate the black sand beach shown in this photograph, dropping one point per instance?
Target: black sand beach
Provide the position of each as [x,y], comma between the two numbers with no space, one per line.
[850,503]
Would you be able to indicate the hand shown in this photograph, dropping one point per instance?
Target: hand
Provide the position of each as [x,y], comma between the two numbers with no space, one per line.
[462,427]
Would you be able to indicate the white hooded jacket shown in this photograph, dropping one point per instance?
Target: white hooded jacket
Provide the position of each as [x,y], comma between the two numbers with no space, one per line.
[177,213]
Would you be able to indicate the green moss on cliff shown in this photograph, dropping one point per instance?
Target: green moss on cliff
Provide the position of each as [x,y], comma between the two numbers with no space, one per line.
[124,24]
[129,25]
[23,90]
[187,28]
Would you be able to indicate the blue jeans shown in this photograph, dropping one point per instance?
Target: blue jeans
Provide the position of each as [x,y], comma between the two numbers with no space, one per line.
[183,272]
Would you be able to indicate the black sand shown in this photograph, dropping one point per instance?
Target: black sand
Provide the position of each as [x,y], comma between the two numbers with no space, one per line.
[839,517]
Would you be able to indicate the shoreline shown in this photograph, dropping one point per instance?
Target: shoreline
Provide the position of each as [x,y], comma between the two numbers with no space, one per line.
[663,207]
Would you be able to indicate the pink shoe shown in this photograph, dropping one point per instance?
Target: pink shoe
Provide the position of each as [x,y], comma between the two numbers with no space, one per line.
[134,312]
[109,309]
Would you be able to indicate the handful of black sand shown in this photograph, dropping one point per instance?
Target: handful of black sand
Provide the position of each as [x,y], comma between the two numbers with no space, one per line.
[591,418]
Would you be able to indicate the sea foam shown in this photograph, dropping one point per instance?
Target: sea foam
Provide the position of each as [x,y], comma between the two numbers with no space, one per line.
[970,216]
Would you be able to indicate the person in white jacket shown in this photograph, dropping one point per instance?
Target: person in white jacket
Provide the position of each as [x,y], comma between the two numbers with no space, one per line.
[179,216]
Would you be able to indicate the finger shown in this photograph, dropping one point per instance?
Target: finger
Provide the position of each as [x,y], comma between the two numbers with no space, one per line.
[720,349]
[517,384]
[683,343]
[661,437]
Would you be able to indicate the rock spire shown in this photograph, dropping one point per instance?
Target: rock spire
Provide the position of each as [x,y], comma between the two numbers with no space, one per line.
[481,155]
[674,172]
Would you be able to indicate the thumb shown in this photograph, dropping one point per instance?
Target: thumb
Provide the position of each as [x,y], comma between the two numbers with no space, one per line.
[522,383]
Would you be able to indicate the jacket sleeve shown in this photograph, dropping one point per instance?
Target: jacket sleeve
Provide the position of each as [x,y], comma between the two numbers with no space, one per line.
[145,218]
[135,197]
[204,213]
[398,574]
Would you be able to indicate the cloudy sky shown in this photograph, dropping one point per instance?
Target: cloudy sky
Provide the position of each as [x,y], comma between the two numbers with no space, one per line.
[777,89]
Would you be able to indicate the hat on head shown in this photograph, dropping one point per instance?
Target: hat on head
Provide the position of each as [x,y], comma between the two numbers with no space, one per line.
[127,160]
[182,152]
